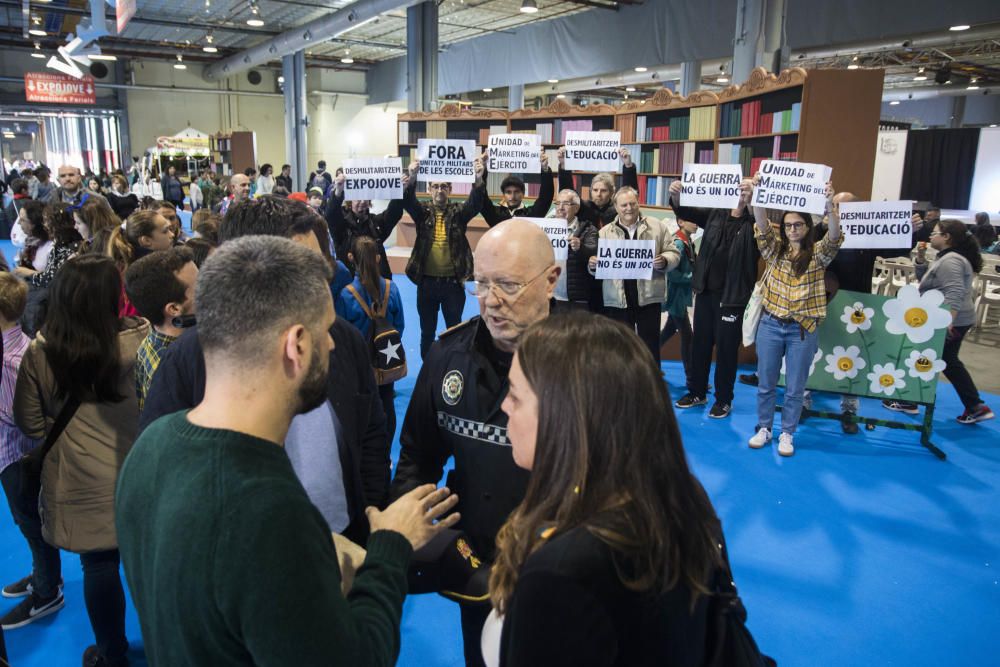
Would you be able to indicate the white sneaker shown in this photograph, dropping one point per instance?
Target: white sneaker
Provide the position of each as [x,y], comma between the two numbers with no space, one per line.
[785,446]
[762,438]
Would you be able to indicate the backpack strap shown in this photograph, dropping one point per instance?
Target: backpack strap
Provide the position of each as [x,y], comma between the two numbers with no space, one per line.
[361,302]
[384,305]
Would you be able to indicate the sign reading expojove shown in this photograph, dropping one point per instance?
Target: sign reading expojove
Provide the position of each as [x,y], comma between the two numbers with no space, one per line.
[59,88]
[373,178]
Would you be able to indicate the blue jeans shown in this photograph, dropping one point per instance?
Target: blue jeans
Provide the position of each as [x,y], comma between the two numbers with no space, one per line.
[432,293]
[46,565]
[778,340]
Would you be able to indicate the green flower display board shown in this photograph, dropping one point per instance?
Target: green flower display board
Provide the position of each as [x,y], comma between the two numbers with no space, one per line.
[882,347]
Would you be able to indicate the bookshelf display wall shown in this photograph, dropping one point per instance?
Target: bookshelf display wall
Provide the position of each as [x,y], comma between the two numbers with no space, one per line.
[825,116]
[233,152]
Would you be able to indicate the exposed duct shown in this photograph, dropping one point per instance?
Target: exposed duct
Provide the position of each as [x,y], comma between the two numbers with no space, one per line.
[927,92]
[923,41]
[618,79]
[304,36]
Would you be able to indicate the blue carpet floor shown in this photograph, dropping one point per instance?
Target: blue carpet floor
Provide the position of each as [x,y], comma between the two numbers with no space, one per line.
[862,550]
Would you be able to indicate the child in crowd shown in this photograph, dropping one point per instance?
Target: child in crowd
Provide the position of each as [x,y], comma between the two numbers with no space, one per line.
[40,589]
[679,295]
[367,295]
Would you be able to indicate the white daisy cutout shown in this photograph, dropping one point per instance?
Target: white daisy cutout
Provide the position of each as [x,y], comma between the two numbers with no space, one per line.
[845,363]
[857,317]
[924,364]
[886,379]
[916,315]
[812,366]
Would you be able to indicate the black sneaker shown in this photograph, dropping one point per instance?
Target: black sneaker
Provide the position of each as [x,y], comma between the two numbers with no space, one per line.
[720,410]
[18,589]
[689,400]
[92,658]
[901,406]
[749,379]
[979,414]
[31,609]
[847,423]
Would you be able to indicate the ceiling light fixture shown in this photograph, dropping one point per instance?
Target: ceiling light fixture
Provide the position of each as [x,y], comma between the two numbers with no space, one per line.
[972,87]
[180,62]
[209,47]
[958,28]
[37,32]
[630,89]
[894,103]
[255,21]
[722,78]
[640,69]
[553,80]
[560,96]
[102,56]
[528,7]
[281,79]
[347,59]
[487,90]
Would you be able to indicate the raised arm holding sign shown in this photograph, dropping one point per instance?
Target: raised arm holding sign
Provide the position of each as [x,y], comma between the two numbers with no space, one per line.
[792,186]
[448,160]
[593,151]
[711,185]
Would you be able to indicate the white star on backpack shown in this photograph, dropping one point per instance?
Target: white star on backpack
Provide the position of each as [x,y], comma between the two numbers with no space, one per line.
[390,351]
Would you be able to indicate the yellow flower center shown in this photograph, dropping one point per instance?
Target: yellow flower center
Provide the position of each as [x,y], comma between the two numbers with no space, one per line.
[915,317]
[923,364]
[845,364]
[886,380]
[858,316]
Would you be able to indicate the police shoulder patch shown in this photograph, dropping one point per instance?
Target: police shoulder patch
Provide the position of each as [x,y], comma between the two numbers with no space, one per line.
[452,386]
[458,327]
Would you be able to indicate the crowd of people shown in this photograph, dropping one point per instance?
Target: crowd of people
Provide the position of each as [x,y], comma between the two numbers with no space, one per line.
[227,399]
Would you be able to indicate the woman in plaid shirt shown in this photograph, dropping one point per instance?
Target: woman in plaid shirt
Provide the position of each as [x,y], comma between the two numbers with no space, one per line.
[794,300]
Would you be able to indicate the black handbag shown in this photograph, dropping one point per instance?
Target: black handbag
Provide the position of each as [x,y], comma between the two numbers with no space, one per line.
[730,643]
[31,463]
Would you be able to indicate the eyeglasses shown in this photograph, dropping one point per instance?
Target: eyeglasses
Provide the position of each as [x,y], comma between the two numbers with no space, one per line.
[794,225]
[508,288]
[439,186]
[936,233]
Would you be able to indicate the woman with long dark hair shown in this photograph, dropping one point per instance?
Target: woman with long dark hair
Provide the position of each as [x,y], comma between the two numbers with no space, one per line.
[794,302]
[95,219]
[85,354]
[61,228]
[122,202]
[376,292]
[31,237]
[611,555]
[952,272]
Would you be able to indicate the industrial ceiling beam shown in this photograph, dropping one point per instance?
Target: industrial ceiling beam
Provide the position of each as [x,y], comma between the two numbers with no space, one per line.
[304,36]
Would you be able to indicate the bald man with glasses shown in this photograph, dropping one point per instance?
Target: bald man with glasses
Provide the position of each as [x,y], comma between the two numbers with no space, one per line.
[441,260]
[455,407]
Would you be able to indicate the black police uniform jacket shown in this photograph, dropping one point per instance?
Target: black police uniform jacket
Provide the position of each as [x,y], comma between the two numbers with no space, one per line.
[455,411]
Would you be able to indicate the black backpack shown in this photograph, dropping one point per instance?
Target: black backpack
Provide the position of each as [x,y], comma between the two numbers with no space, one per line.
[730,643]
[385,343]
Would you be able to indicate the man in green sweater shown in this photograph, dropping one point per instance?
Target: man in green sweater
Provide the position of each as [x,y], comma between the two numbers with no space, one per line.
[227,560]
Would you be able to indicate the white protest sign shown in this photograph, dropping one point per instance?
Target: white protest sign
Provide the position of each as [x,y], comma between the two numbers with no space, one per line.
[792,186]
[373,178]
[449,160]
[625,260]
[711,185]
[876,224]
[518,153]
[593,151]
[558,232]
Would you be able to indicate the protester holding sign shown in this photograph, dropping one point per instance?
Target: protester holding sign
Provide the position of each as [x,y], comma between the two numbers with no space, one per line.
[576,289]
[794,301]
[348,223]
[441,260]
[512,188]
[599,209]
[722,282]
[952,272]
[636,302]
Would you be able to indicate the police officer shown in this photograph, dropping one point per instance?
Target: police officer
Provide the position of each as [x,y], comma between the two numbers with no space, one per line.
[455,407]
[512,189]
